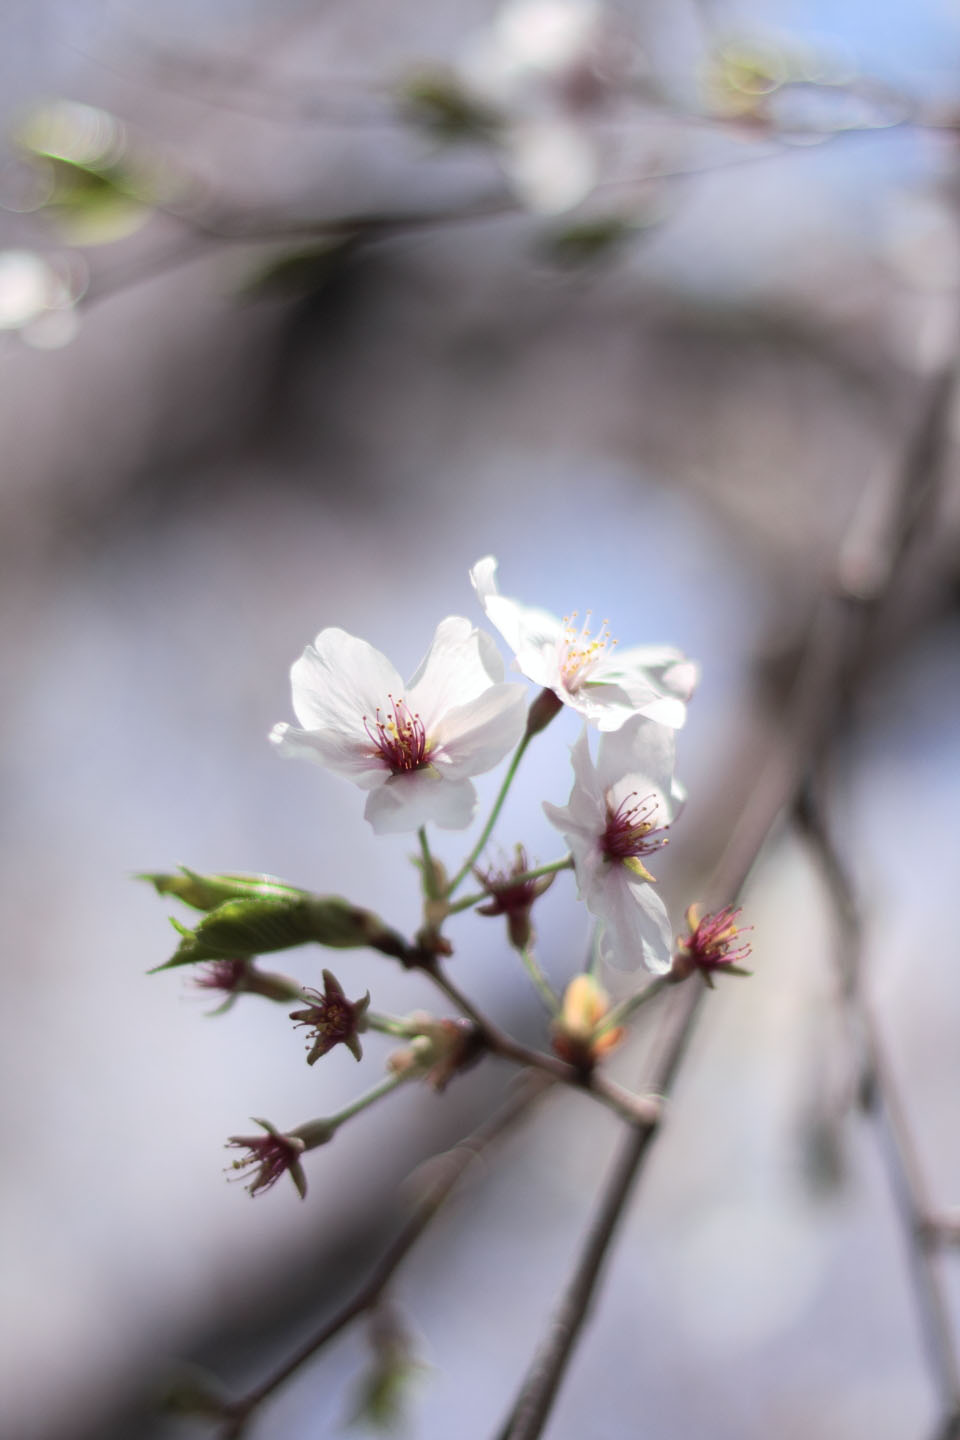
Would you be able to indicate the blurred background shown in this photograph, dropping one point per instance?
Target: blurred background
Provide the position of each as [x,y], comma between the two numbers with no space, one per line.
[301,313]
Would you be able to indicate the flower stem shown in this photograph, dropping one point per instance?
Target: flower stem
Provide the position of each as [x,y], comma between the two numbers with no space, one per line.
[544,988]
[362,1102]
[468,864]
[391,1025]
[429,871]
[468,900]
[625,1009]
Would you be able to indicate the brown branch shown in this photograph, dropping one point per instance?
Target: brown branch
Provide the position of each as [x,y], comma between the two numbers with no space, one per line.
[643,1110]
[446,1170]
[834,659]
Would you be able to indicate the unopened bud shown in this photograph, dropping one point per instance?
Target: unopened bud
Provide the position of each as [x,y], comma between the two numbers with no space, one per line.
[577,1035]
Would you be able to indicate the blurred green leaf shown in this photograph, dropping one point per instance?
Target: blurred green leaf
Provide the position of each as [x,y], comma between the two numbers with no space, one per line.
[436,100]
[90,186]
[587,241]
[297,273]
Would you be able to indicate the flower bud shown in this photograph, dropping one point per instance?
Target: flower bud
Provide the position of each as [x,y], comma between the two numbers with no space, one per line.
[574,1032]
[712,943]
[257,925]
[333,1019]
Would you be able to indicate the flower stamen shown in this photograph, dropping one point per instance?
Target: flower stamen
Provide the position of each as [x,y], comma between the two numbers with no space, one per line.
[713,942]
[579,652]
[400,738]
[632,830]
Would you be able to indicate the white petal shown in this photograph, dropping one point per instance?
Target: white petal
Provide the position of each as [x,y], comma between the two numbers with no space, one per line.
[461,663]
[473,738]
[639,749]
[584,817]
[332,749]
[533,635]
[340,679]
[657,679]
[636,925]
[408,801]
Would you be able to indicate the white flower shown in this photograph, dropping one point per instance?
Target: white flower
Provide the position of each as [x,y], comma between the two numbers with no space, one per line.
[617,811]
[606,685]
[412,746]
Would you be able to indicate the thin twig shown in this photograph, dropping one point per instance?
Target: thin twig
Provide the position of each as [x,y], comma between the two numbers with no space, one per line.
[448,1169]
[834,650]
[880,1092]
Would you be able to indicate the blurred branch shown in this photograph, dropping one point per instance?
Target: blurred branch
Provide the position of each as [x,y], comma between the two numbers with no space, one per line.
[880,1093]
[447,1170]
[834,660]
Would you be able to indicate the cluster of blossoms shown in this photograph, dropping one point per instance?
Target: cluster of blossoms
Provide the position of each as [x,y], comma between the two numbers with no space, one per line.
[414,749]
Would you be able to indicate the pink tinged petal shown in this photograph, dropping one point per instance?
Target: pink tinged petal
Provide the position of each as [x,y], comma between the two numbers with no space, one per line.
[473,738]
[636,925]
[460,664]
[417,798]
[340,679]
[668,667]
[345,755]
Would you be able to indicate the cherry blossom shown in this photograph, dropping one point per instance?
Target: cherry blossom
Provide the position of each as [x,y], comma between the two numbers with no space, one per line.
[588,671]
[618,809]
[412,746]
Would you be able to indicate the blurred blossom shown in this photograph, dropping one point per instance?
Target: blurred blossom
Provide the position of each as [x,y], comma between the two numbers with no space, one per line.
[568,51]
[37,297]
[551,165]
[545,65]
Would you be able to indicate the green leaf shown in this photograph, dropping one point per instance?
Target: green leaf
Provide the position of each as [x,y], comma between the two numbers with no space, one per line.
[260,924]
[206,892]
